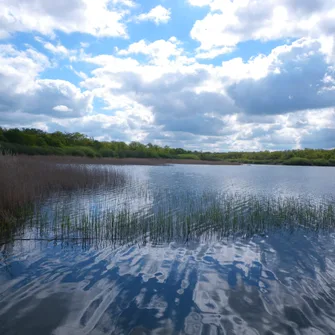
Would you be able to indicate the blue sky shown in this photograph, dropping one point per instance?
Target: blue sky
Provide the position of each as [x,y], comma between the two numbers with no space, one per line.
[200,74]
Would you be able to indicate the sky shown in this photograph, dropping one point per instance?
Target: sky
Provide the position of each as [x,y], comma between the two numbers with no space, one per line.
[211,75]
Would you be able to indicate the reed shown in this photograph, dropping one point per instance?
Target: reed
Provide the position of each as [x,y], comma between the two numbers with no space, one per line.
[182,218]
[25,181]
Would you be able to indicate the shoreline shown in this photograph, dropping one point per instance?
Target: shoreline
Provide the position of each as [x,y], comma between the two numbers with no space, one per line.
[147,161]
[130,161]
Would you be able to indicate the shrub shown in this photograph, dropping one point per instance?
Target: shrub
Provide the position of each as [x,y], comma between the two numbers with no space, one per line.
[107,153]
[153,154]
[81,151]
[207,157]
[55,151]
[74,152]
[188,156]
[89,152]
[320,162]
[262,161]
[298,161]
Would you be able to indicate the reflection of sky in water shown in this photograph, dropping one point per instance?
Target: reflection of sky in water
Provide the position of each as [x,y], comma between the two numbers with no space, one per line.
[261,180]
[278,283]
[152,185]
[283,283]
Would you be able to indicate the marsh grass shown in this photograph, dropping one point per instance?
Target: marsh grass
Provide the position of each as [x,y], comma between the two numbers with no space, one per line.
[198,218]
[26,181]
[136,215]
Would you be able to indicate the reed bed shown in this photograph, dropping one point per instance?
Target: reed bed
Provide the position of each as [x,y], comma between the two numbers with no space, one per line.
[25,181]
[207,216]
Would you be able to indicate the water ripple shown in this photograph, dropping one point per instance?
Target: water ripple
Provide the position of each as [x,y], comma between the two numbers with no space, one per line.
[278,282]
[233,286]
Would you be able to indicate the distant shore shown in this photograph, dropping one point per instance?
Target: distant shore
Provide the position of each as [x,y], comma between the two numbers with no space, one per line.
[158,161]
[130,161]
[36,142]
[165,161]
[149,161]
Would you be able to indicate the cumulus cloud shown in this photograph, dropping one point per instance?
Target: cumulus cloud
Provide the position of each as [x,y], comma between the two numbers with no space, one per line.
[45,95]
[319,138]
[167,91]
[23,92]
[298,78]
[307,128]
[62,108]
[171,94]
[182,100]
[158,15]
[19,68]
[213,53]
[126,3]
[57,49]
[158,52]
[231,22]
[100,126]
[241,105]
[177,107]
[98,18]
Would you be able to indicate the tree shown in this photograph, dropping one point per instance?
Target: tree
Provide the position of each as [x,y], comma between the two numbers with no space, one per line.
[14,136]
[2,136]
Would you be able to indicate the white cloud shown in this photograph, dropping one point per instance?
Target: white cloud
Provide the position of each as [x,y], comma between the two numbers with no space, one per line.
[166,89]
[158,15]
[18,69]
[80,74]
[220,103]
[49,93]
[57,49]
[22,92]
[162,91]
[229,23]
[123,126]
[159,52]
[62,108]
[97,18]
[126,3]
[292,80]
[84,44]
[213,53]
[200,3]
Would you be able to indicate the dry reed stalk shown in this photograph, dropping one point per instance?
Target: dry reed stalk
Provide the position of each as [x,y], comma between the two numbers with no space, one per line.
[24,180]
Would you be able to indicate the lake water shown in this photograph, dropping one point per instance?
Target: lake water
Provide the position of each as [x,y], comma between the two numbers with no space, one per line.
[280,281]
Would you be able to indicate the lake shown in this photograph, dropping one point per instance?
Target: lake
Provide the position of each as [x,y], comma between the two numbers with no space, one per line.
[171,266]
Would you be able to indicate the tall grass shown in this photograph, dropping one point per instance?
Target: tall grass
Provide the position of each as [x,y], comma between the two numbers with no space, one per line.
[135,217]
[181,218]
[26,180]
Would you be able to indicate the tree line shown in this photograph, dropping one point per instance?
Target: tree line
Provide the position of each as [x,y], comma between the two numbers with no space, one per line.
[31,141]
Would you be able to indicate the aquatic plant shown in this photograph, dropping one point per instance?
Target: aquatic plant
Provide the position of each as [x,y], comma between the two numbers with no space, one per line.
[25,181]
[184,217]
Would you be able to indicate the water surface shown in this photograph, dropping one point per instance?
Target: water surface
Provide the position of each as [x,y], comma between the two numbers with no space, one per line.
[279,282]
